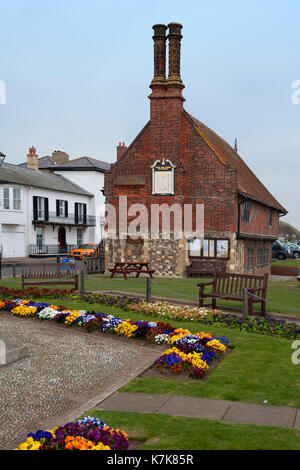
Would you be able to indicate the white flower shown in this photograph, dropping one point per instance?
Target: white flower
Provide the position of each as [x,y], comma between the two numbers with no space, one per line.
[161,338]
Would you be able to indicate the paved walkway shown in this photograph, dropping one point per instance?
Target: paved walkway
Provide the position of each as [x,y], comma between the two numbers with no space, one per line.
[191,407]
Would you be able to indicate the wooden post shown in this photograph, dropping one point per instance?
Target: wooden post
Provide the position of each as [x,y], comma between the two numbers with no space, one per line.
[84,263]
[82,282]
[245,302]
[148,289]
[14,270]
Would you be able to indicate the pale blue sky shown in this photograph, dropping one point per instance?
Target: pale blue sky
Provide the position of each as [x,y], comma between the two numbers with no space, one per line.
[77,77]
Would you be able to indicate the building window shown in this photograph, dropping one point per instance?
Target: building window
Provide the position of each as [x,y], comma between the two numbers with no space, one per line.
[6,198]
[250,258]
[246,211]
[271,217]
[16,199]
[79,237]
[40,208]
[262,256]
[80,213]
[39,237]
[61,208]
[211,248]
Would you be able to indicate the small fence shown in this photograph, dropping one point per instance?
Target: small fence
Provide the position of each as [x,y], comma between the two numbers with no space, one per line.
[42,249]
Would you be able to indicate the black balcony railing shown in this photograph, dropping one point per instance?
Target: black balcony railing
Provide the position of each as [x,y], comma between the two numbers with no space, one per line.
[53,218]
[41,249]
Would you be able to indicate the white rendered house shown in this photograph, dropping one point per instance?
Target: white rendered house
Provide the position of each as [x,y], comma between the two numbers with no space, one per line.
[86,172]
[42,213]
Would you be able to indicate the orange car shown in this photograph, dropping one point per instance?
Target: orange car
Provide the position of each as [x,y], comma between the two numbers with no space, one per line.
[87,249]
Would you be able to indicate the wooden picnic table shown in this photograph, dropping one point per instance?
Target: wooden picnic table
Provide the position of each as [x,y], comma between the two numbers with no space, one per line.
[131,267]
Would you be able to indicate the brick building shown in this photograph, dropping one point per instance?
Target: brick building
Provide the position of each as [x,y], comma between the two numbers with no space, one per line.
[176,159]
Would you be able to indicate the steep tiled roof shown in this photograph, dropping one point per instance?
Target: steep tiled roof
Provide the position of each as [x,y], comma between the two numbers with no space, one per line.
[40,179]
[248,183]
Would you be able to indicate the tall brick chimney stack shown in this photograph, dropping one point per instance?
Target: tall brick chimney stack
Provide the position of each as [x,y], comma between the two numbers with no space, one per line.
[174,81]
[159,45]
[121,148]
[32,159]
[166,100]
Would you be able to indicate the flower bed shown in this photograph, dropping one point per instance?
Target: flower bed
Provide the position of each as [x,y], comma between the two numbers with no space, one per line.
[191,352]
[263,325]
[86,434]
[34,293]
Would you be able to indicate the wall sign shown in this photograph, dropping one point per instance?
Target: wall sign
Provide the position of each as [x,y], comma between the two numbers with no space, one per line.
[163,177]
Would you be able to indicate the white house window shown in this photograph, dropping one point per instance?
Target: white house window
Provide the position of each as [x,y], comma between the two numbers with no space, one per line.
[61,208]
[79,237]
[39,237]
[41,208]
[163,177]
[16,199]
[6,198]
[80,213]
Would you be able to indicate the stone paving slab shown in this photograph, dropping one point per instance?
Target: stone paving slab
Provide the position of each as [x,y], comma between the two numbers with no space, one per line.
[133,402]
[194,408]
[297,420]
[261,415]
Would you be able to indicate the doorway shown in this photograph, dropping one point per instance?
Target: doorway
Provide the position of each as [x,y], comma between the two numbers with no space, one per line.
[62,238]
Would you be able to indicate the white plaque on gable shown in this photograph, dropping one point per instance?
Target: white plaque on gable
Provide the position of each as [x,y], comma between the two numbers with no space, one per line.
[163,177]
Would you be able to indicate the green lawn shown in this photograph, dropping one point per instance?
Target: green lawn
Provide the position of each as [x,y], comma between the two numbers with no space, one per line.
[286,262]
[284,296]
[163,432]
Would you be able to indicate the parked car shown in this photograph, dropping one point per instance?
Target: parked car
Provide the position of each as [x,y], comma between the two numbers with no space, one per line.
[281,250]
[87,249]
[295,249]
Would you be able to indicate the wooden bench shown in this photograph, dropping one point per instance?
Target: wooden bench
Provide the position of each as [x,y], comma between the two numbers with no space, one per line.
[231,286]
[200,267]
[132,267]
[55,273]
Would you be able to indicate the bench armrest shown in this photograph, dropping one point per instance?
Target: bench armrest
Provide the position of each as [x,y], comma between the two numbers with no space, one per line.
[205,283]
[255,289]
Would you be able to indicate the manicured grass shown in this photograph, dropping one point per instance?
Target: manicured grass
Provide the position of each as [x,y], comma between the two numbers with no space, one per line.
[283,296]
[259,368]
[163,432]
[286,262]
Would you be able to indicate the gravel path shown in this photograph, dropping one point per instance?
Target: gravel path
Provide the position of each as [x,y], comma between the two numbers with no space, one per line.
[64,368]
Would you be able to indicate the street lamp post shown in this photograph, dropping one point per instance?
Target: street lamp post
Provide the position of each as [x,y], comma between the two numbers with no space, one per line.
[2,156]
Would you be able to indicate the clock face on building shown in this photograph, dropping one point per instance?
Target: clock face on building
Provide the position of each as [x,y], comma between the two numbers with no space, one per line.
[163,177]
